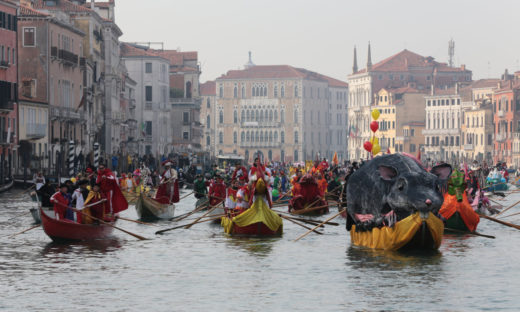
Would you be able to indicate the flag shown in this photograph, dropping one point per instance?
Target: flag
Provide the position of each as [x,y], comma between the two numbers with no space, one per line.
[81,102]
[335,159]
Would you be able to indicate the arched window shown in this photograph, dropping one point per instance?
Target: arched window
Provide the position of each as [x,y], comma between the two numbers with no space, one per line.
[208,140]
[266,135]
[270,115]
[235,92]
[265,91]
[242,137]
[296,91]
[261,115]
[235,117]
[243,92]
[276,137]
[188,89]
[242,116]
[235,137]
[282,137]
[221,91]
[221,137]
[282,116]
[253,91]
[261,136]
[247,116]
[208,103]
[282,155]
[221,117]
[257,137]
[295,136]
[295,155]
[208,122]
[270,155]
[247,136]
[258,91]
[282,91]
[275,91]
[247,156]
[257,115]
[275,115]
[295,116]
[270,136]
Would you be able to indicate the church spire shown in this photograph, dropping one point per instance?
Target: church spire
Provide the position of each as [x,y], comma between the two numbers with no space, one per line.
[369,58]
[355,68]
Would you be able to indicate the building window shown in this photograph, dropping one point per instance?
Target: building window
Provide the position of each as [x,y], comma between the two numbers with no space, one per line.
[185,135]
[296,137]
[208,122]
[282,155]
[270,155]
[235,91]
[275,91]
[242,136]
[208,140]
[295,155]
[247,136]
[242,116]
[235,137]
[282,116]
[29,36]
[275,137]
[282,137]
[208,103]
[295,91]
[243,92]
[282,91]
[148,68]
[148,129]
[148,93]
[221,117]
[221,137]
[221,91]
[185,117]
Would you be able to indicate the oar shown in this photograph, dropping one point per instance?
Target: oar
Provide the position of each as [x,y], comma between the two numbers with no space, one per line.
[26,230]
[205,214]
[504,210]
[314,222]
[334,216]
[468,232]
[298,223]
[109,224]
[18,216]
[137,221]
[302,211]
[514,214]
[182,226]
[184,216]
[186,195]
[500,221]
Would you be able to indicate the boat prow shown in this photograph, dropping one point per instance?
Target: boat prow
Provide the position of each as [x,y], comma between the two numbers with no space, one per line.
[149,209]
[63,231]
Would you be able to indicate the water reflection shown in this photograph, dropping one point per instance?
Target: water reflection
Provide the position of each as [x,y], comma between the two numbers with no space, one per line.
[254,246]
[366,258]
[86,248]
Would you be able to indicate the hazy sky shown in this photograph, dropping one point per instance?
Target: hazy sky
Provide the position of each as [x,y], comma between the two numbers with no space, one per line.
[320,35]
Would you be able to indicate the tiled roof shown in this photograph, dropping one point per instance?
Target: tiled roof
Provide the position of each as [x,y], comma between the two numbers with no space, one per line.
[208,88]
[27,11]
[405,60]
[62,5]
[99,4]
[177,58]
[130,50]
[485,83]
[280,72]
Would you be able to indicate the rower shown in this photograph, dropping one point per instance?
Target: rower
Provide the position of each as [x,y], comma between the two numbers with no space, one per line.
[168,191]
[61,201]
[78,196]
[231,195]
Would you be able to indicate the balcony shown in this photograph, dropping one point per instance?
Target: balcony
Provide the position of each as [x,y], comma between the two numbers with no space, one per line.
[5,138]
[186,102]
[261,144]
[441,132]
[35,131]
[6,105]
[260,124]
[468,147]
[68,58]
[501,114]
[4,64]
[131,104]
[65,113]
[54,52]
[500,137]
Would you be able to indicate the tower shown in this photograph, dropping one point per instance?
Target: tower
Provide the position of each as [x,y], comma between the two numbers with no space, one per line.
[451,52]
[250,63]
[354,67]
[369,58]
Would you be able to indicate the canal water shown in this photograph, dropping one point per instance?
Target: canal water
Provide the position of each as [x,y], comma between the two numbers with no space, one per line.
[202,269]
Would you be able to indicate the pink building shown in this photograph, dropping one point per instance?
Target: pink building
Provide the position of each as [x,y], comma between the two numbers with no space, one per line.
[8,88]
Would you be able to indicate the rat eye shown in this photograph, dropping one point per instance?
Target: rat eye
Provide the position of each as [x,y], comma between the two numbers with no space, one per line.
[401,185]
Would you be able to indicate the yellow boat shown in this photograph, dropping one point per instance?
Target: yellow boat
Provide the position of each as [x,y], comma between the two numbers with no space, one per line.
[413,232]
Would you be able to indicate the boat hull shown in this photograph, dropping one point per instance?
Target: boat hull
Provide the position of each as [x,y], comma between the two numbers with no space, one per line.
[255,229]
[62,231]
[7,186]
[151,210]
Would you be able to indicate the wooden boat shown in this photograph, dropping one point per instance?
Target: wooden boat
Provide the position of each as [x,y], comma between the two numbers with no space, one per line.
[59,230]
[130,197]
[149,209]
[6,186]
[202,202]
[256,229]
[411,233]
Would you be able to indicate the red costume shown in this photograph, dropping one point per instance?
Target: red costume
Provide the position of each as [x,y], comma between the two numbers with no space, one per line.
[168,190]
[217,192]
[240,173]
[309,194]
[116,201]
[61,202]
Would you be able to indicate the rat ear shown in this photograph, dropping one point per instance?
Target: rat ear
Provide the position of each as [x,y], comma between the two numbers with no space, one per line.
[387,173]
[442,171]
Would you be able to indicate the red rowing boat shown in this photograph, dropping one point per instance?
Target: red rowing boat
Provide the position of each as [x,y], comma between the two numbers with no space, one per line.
[255,229]
[59,230]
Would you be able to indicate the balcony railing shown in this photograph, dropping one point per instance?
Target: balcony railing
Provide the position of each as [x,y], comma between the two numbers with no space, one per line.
[186,101]
[65,113]
[260,124]
[5,138]
[68,58]
[35,130]
[4,64]
[260,144]
[468,147]
[6,105]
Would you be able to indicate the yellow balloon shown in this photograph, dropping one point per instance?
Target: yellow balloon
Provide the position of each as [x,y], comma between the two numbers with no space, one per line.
[375,113]
[73,180]
[376,149]
[374,141]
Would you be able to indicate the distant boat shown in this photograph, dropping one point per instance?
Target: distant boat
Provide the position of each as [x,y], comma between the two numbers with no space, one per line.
[6,186]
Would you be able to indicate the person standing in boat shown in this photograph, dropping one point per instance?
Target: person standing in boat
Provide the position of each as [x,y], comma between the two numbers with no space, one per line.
[39,180]
[61,201]
[217,190]
[97,199]
[168,191]
[116,201]
[200,187]
[231,195]
[78,197]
